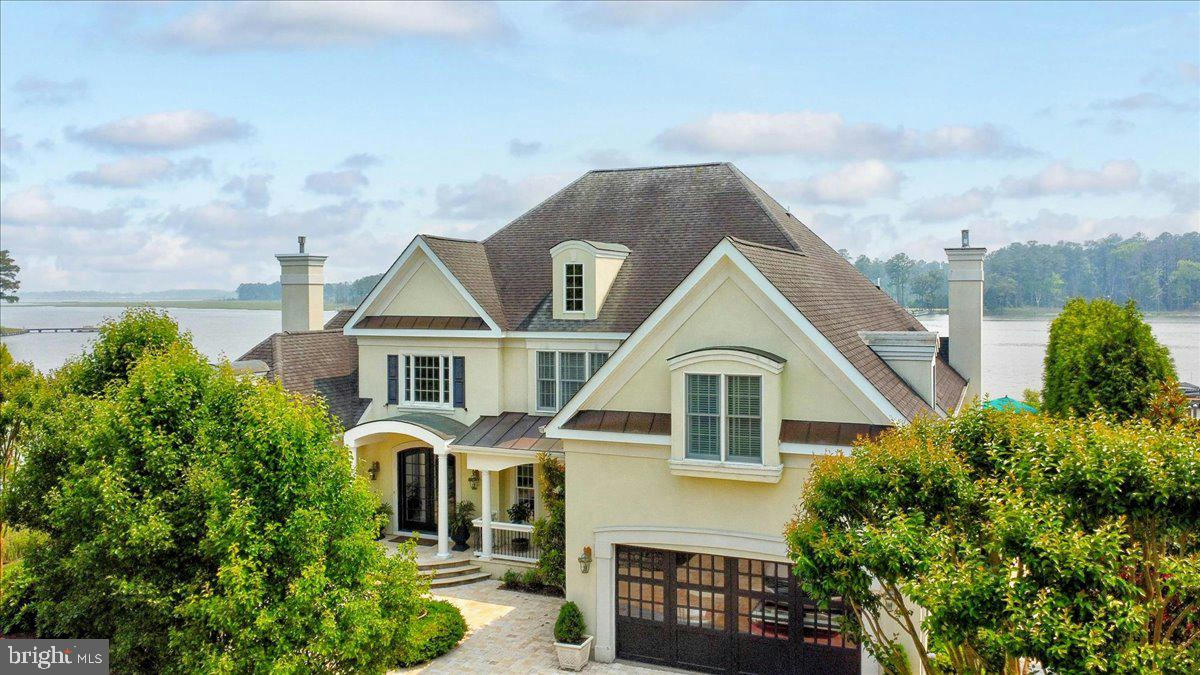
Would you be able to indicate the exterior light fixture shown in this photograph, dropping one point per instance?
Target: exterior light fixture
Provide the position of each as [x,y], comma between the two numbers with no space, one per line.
[473,479]
[373,472]
[585,559]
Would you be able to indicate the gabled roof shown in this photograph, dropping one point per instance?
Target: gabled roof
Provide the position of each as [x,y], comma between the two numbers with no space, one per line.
[318,362]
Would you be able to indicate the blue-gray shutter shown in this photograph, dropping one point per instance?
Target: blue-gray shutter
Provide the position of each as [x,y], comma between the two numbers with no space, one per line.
[393,379]
[460,382]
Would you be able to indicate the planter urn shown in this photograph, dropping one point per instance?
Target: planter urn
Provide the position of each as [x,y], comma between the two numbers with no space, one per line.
[574,657]
[460,536]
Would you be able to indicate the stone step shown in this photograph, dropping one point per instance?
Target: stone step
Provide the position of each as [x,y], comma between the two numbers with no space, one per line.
[459,580]
[425,566]
[446,572]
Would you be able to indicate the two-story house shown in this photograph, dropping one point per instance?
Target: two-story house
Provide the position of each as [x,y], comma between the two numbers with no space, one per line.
[687,345]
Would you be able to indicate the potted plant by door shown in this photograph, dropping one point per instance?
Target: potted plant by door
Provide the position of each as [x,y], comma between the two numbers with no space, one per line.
[384,509]
[520,513]
[460,525]
[573,646]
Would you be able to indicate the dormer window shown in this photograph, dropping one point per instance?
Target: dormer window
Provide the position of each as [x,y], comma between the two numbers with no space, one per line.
[724,417]
[573,287]
[584,271]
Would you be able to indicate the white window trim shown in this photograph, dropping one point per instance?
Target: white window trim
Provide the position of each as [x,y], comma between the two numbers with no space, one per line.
[582,288]
[722,423]
[406,387]
[587,365]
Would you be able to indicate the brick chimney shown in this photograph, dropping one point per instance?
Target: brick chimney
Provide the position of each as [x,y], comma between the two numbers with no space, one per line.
[966,313]
[302,277]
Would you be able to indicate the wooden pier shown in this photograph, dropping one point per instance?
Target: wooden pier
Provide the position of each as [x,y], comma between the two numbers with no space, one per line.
[71,329]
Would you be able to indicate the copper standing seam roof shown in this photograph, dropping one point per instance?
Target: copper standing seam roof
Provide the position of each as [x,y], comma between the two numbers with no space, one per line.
[509,431]
[423,322]
[790,431]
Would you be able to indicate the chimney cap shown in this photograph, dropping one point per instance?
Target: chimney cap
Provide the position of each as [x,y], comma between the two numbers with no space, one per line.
[966,240]
[301,239]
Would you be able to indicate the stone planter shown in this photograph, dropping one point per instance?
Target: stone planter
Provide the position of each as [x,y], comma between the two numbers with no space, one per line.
[574,657]
[461,536]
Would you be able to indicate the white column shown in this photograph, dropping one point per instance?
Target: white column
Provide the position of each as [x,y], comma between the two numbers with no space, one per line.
[486,553]
[443,506]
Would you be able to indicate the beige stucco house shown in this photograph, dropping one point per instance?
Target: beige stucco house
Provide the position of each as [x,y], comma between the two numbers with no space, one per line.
[686,345]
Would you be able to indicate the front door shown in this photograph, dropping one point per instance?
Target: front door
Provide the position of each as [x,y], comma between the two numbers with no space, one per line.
[417,489]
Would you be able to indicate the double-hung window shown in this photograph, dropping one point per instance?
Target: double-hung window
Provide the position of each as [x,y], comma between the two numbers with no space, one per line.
[426,380]
[525,485]
[560,375]
[724,417]
[573,287]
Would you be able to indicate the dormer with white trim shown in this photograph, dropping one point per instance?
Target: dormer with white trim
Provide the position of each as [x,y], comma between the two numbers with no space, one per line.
[584,272]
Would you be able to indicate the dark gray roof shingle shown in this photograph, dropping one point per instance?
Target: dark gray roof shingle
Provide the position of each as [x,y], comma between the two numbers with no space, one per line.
[318,362]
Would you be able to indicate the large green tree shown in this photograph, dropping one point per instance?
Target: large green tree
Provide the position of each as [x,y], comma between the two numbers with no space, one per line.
[1103,355]
[8,277]
[201,520]
[996,541]
[20,401]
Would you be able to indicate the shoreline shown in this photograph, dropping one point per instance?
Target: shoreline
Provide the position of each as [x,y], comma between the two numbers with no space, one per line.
[170,304]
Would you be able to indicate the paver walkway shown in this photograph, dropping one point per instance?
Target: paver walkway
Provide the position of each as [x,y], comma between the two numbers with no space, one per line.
[508,632]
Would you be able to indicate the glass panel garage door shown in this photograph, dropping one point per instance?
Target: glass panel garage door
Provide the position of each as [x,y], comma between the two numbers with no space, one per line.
[726,615]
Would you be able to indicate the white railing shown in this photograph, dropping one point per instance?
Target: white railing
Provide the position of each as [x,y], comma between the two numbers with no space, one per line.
[510,541]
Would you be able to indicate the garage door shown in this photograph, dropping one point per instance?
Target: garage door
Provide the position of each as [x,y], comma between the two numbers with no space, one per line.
[723,615]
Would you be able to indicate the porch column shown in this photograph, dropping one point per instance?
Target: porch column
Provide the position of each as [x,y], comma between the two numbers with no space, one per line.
[486,534]
[443,505]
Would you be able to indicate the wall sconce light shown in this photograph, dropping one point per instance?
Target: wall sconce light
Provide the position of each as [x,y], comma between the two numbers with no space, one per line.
[373,471]
[473,479]
[585,559]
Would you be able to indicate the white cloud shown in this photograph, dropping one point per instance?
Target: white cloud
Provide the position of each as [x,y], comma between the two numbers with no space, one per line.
[491,196]
[850,185]
[1183,191]
[951,207]
[140,171]
[39,91]
[240,222]
[1052,226]
[616,14]
[826,135]
[520,148]
[606,158]
[1061,178]
[362,160]
[7,175]
[11,145]
[1189,72]
[874,235]
[35,207]
[1144,101]
[162,131]
[253,189]
[335,182]
[301,25]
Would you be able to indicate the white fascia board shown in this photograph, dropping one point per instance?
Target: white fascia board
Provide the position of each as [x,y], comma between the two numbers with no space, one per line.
[723,250]
[610,436]
[814,449]
[418,243]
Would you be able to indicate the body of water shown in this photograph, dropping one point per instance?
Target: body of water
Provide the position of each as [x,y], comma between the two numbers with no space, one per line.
[217,333]
[1012,349]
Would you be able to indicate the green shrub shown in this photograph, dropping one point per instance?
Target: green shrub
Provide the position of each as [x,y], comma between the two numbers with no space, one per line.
[511,580]
[203,521]
[16,611]
[18,543]
[1103,355]
[550,531]
[434,634]
[570,627]
[531,580]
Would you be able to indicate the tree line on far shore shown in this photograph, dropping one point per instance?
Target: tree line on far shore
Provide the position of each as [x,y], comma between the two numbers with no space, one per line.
[1162,273]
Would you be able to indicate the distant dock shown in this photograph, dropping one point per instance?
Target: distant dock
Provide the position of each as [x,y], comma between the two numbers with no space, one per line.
[73,329]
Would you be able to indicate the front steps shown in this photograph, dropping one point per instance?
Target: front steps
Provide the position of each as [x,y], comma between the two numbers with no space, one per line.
[445,573]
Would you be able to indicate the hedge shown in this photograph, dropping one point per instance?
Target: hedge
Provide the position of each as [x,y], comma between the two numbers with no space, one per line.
[434,634]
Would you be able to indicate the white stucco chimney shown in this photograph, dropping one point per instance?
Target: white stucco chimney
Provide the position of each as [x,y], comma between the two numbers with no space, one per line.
[909,353]
[302,277]
[966,313]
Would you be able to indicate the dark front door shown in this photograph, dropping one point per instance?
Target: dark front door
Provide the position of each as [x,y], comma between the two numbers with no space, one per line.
[417,485]
[726,615]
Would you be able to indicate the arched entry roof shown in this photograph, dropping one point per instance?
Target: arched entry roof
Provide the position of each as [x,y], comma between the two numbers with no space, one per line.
[437,430]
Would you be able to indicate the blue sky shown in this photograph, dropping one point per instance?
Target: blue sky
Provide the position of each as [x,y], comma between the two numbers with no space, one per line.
[180,145]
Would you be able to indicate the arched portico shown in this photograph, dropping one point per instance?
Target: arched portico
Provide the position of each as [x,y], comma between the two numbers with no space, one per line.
[411,431]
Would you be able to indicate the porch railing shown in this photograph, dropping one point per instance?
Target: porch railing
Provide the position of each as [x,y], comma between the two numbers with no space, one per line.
[510,541]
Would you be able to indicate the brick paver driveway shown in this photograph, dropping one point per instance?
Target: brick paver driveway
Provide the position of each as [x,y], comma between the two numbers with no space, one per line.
[509,632]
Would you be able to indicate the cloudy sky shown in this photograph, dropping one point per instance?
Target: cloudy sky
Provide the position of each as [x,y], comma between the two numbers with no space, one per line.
[169,145]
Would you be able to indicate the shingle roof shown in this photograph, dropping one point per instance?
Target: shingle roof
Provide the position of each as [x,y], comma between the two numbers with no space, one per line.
[320,362]
[670,218]
[338,321]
